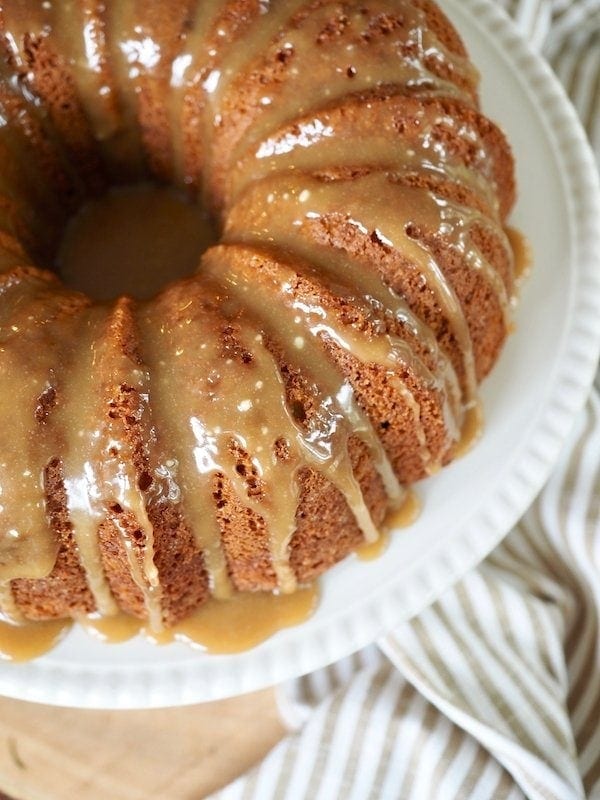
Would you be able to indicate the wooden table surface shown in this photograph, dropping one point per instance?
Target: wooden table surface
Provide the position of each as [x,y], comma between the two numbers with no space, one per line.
[180,754]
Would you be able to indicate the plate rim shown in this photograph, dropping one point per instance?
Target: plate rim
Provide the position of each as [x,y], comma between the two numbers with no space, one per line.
[153,685]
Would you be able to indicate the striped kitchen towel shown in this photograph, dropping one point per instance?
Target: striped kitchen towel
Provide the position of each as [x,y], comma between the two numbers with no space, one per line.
[494,691]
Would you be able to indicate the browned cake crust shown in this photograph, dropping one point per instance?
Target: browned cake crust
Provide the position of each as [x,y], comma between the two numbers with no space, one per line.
[65,591]
[290,123]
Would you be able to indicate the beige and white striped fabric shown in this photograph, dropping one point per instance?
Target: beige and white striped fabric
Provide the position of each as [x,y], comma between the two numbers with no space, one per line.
[494,692]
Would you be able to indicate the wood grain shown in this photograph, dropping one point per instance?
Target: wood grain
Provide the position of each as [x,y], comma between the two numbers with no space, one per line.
[179,754]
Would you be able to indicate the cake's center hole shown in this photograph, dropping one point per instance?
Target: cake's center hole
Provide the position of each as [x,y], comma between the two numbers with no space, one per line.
[133,240]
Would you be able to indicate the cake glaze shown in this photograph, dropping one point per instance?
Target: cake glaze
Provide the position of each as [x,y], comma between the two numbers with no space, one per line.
[253,424]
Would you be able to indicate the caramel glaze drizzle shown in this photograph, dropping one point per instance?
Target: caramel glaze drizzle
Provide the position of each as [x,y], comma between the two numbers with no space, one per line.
[219,626]
[371,203]
[98,462]
[29,356]
[259,90]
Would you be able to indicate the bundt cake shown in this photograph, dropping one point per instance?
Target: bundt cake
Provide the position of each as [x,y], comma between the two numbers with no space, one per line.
[252,424]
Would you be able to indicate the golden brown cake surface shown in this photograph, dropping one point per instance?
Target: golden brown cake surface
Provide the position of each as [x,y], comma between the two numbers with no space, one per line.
[251,425]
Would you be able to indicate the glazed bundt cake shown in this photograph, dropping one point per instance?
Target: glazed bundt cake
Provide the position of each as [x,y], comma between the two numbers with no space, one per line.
[254,423]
